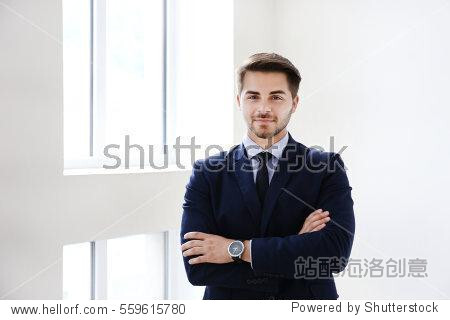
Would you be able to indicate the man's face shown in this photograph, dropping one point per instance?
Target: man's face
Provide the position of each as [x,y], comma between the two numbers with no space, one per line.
[266,103]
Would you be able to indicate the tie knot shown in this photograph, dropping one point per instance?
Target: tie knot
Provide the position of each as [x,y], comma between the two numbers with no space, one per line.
[264,156]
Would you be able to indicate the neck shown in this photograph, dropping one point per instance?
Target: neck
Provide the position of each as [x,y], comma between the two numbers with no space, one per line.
[267,143]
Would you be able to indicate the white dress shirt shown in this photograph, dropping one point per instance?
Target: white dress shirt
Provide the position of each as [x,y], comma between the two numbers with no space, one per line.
[276,150]
[253,149]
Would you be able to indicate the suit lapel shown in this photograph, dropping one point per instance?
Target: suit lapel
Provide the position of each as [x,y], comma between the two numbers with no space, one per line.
[244,175]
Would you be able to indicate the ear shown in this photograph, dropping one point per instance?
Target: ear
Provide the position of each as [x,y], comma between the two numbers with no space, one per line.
[238,101]
[295,103]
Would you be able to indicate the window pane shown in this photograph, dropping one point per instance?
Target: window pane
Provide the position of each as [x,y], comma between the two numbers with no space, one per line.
[200,70]
[76,77]
[133,72]
[77,271]
[136,267]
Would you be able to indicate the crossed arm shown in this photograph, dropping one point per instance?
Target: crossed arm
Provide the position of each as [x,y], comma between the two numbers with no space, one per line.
[205,253]
[213,248]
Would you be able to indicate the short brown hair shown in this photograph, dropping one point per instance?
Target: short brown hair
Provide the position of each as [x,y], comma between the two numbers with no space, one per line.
[269,62]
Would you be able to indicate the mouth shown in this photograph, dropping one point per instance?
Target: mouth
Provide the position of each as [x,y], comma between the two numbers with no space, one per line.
[264,120]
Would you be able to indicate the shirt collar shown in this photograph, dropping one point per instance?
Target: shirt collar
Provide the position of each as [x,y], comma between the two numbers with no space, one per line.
[253,148]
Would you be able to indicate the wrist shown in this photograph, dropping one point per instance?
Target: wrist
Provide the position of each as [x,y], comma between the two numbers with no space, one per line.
[246,254]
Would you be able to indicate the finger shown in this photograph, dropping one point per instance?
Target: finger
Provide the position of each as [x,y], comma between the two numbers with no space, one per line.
[195,251]
[197,260]
[195,235]
[313,214]
[319,227]
[319,216]
[318,222]
[191,244]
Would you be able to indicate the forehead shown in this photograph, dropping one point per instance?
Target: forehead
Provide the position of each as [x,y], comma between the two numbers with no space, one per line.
[264,81]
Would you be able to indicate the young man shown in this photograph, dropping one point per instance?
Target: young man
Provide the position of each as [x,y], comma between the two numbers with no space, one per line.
[259,219]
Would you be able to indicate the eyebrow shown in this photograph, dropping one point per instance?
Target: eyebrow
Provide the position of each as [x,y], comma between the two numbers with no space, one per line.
[272,92]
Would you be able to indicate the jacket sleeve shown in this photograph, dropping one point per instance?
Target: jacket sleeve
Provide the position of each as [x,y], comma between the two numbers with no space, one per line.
[198,216]
[283,255]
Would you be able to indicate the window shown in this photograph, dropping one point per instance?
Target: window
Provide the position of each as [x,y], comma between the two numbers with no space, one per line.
[201,70]
[77,271]
[76,78]
[145,266]
[135,267]
[144,73]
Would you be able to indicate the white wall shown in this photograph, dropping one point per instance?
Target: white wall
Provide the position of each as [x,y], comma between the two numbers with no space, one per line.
[375,76]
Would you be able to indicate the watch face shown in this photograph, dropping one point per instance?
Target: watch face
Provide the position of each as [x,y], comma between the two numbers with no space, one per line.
[236,248]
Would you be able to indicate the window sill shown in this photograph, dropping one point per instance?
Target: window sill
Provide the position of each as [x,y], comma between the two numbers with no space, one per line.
[131,170]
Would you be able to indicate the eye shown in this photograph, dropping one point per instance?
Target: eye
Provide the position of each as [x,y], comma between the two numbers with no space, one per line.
[252,97]
[277,97]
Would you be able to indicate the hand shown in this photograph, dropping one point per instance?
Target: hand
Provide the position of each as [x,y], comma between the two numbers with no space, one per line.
[210,248]
[315,221]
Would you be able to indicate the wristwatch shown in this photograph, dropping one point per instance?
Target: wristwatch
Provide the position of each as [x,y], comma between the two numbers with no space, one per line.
[235,250]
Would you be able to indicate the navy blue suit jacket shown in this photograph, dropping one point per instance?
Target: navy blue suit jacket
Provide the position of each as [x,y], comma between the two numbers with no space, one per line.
[221,199]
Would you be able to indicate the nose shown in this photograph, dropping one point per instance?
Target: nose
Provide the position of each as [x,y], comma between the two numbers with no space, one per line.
[264,108]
